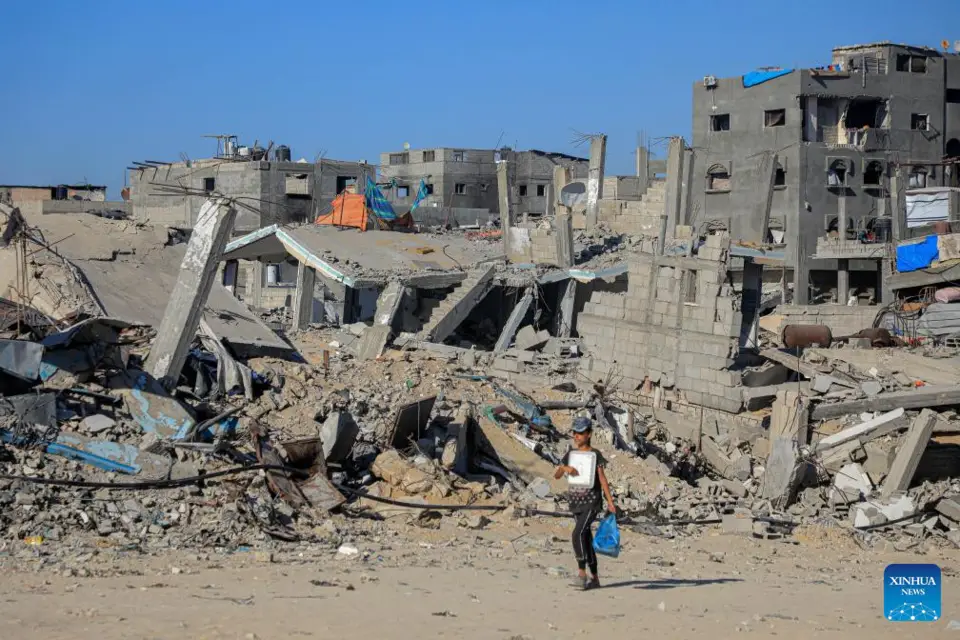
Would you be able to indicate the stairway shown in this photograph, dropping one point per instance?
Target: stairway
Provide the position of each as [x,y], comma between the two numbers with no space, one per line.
[452,310]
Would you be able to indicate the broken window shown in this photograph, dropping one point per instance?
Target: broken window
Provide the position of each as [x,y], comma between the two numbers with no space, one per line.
[911,64]
[865,114]
[873,173]
[541,189]
[458,156]
[399,158]
[919,122]
[718,179]
[953,96]
[209,184]
[459,188]
[429,188]
[345,181]
[837,173]
[775,118]
[403,191]
[690,286]
[720,122]
[917,178]
[522,190]
[429,156]
[779,177]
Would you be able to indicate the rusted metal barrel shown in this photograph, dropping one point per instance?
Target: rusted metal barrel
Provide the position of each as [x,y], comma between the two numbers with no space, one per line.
[806,335]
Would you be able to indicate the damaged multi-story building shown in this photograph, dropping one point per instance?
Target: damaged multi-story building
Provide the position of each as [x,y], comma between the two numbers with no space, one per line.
[840,133]
[281,191]
[462,183]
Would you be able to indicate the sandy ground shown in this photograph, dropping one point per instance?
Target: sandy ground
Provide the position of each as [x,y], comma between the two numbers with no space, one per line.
[506,581]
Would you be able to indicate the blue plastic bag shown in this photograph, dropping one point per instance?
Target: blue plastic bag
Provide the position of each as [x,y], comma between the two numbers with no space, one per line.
[607,539]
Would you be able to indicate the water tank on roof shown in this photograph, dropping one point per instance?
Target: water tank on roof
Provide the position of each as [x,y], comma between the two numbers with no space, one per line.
[243,152]
[282,154]
[257,152]
[273,273]
[61,192]
[229,148]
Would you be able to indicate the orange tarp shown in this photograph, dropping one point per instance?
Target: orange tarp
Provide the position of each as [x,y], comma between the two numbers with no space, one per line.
[348,210]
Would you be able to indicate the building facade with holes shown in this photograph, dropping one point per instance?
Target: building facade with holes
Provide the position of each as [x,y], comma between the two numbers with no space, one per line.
[838,131]
[462,183]
[280,192]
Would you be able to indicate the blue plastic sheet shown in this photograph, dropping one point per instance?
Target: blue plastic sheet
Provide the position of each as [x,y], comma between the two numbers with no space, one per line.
[754,78]
[911,257]
[607,539]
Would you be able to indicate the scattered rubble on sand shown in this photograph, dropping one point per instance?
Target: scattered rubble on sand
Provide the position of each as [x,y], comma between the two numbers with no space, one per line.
[250,438]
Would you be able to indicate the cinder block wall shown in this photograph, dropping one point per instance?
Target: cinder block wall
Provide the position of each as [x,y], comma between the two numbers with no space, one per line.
[533,244]
[842,320]
[635,217]
[678,324]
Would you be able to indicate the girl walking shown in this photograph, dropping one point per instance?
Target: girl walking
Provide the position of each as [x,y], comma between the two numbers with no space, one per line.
[586,497]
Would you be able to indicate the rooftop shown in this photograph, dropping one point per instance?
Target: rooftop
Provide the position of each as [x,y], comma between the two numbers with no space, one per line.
[887,43]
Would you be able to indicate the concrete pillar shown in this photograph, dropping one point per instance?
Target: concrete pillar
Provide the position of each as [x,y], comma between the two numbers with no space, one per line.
[565,317]
[898,205]
[303,296]
[598,156]
[674,190]
[549,199]
[255,284]
[513,322]
[230,269]
[687,196]
[763,197]
[504,195]
[750,304]
[843,265]
[810,120]
[179,325]
[564,233]
[561,177]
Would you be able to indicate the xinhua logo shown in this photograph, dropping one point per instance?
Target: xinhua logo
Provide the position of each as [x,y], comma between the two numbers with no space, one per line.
[911,592]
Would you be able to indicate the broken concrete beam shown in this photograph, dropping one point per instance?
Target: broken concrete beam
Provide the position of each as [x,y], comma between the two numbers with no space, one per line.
[950,508]
[465,298]
[528,338]
[793,363]
[851,484]
[197,273]
[789,417]
[723,464]
[838,457]
[857,431]
[505,201]
[879,460]
[516,458]
[338,434]
[517,316]
[759,397]
[783,473]
[911,448]
[939,396]
[375,338]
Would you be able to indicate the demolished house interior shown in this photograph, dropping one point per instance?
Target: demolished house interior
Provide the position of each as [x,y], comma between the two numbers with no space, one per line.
[433,368]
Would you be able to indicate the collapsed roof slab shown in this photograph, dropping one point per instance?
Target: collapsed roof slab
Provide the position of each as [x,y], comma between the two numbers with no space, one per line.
[367,259]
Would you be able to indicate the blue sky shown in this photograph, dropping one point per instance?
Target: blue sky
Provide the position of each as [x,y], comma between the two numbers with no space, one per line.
[91,86]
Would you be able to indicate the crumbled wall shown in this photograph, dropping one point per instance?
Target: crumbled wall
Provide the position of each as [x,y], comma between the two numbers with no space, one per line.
[636,217]
[531,243]
[653,332]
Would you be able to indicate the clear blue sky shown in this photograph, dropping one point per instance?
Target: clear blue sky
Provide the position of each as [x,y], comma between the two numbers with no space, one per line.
[90,86]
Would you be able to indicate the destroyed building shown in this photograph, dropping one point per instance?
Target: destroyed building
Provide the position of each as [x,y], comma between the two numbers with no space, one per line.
[839,132]
[62,198]
[283,191]
[462,183]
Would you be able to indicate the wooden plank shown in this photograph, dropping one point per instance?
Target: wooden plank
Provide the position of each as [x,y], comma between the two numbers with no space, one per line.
[858,431]
[942,396]
[908,456]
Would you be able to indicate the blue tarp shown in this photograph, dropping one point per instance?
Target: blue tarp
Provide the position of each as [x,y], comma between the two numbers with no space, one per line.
[377,203]
[754,78]
[911,257]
